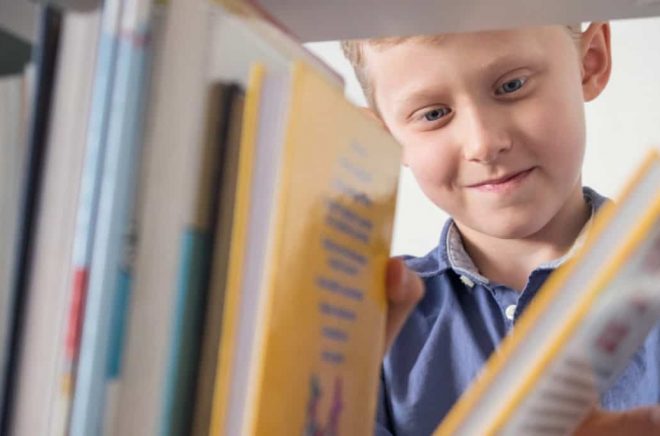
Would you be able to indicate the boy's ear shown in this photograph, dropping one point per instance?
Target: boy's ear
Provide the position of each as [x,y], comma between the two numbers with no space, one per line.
[596,59]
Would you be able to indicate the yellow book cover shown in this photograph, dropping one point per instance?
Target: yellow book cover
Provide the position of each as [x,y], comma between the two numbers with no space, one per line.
[580,331]
[314,320]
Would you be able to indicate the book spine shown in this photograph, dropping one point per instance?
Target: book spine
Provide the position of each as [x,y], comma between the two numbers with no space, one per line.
[197,253]
[118,324]
[228,344]
[87,210]
[229,133]
[148,17]
[46,60]
[12,160]
[115,210]
[185,343]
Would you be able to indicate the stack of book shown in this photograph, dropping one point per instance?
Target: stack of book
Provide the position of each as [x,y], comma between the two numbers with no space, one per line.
[194,230]
[211,219]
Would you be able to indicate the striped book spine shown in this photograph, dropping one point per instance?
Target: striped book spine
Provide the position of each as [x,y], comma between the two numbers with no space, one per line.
[115,212]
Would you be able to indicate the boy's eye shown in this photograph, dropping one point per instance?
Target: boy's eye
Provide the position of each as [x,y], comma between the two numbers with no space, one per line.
[436,114]
[510,86]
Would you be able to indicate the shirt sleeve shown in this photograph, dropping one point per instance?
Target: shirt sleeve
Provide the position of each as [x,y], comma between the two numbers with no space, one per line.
[381,430]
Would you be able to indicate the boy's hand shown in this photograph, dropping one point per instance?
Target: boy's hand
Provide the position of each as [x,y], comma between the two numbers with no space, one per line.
[404,290]
[642,421]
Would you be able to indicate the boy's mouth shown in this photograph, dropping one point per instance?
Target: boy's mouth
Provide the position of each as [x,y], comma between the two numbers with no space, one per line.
[502,182]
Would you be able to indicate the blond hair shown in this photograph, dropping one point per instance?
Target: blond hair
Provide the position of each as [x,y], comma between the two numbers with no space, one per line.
[354,51]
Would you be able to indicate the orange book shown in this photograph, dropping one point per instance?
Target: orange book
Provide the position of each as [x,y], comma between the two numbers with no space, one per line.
[304,318]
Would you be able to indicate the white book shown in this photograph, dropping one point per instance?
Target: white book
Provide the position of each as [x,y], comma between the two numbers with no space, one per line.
[12,161]
[39,383]
[580,331]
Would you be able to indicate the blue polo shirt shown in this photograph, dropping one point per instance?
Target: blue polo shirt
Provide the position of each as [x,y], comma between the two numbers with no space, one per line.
[460,321]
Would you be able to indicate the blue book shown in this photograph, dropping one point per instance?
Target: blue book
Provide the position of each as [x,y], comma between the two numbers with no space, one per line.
[115,211]
[88,202]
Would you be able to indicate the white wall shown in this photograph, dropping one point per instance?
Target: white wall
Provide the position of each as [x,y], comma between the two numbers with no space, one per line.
[621,125]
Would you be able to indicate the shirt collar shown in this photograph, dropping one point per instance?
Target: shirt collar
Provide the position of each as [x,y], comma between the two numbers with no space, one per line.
[456,258]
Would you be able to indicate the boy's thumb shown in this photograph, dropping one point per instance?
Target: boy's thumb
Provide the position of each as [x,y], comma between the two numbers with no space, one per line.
[640,421]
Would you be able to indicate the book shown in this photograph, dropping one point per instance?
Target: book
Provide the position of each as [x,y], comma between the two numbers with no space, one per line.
[150,23]
[206,32]
[86,381]
[304,314]
[225,109]
[95,141]
[293,255]
[582,328]
[31,187]
[109,279]
[40,385]
[12,161]
[201,243]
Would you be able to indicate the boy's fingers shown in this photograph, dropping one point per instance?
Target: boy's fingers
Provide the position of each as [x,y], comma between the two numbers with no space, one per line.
[640,422]
[404,290]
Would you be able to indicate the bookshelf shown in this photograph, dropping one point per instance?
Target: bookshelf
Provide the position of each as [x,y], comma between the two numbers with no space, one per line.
[344,19]
[17,19]
[347,19]
[15,53]
[181,63]
[17,28]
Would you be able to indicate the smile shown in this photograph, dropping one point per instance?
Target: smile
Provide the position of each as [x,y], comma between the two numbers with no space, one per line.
[502,184]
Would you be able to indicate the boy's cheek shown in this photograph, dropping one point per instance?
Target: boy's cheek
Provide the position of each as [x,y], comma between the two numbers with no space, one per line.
[434,178]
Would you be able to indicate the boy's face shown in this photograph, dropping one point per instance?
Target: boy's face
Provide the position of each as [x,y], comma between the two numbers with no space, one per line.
[492,123]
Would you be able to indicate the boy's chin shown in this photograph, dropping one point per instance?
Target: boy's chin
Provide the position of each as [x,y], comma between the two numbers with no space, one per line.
[517,227]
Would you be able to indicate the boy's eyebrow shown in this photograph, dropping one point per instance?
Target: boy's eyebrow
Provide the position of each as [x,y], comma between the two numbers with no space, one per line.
[412,95]
[506,60]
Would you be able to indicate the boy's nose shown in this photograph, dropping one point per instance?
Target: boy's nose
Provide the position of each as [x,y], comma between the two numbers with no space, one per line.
[485,134]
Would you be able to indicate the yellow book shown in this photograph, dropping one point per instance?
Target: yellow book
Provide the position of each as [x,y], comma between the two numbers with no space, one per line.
[303,325]
[580,331]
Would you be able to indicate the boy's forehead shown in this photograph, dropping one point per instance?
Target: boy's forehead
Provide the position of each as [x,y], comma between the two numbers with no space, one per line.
[464,52]
[512,39]
[406,68]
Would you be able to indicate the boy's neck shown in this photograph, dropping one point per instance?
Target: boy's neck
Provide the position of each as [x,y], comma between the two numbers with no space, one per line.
[510,261]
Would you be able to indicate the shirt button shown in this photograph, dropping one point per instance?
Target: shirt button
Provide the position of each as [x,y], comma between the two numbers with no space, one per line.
[467,282]
[510,311]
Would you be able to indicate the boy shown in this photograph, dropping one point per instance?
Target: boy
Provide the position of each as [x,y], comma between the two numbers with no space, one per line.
[492,126]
